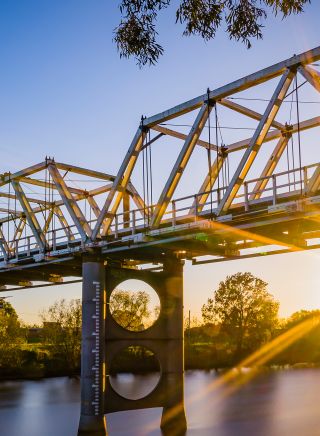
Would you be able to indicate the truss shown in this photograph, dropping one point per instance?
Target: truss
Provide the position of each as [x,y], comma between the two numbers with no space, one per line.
[46,214]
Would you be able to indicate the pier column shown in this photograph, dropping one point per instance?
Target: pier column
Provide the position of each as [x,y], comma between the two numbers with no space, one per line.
[173,420]
[92,420]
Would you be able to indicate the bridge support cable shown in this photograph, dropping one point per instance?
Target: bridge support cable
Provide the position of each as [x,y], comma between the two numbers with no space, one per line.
[119,185]
[30,216]
[180,165]
[299,137]
[256,141]
[70,203]
[92,420]
[209,153]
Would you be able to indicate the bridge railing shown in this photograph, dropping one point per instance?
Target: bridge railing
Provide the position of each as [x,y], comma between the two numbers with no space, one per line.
[268,189]
[275,187]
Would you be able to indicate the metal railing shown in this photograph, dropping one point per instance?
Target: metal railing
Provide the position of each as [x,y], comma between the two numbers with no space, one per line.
[190,208]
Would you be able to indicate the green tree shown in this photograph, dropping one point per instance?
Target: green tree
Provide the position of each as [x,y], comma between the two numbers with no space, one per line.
[11,337]
[245,310]
[131,309]
[62,331]
[136,35]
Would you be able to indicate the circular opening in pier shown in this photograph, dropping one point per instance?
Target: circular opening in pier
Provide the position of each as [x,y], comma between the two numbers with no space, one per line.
[134,372]
[134,305]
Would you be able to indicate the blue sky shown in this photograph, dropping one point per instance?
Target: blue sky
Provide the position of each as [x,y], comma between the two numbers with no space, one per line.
[65,93]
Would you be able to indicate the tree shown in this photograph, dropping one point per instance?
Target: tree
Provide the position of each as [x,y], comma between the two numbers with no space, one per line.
[136,35]
[300,316]
[130,309]
[245,310]
[11,336]
[62,331]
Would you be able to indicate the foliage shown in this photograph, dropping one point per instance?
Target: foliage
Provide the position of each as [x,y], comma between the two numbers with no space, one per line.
[62,330]
[300,316]
[136,34]
[245,310]
[130,309]
[11,337]
[306,349]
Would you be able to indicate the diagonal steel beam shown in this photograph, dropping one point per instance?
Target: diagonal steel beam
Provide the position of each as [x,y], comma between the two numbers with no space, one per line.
[48,185]
[137,199]
[270,166]
[119,185]
[30,215]
[180,164]
[179,135]
[70,203]
[207,185]
[314,183]
[94,206]
[248,112]
[64,223]
[18,232]
[7,177]
[275,134]
[256,141]
[84,171]
[311,75]
[4,245]
[48,221]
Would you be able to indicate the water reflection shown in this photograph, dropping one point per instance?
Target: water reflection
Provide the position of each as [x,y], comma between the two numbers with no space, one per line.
[273,404]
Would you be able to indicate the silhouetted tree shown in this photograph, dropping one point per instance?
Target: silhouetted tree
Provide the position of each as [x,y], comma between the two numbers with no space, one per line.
[11,337]
[62,330]
[131,309]
[136,35]
[245,310]
[300,316]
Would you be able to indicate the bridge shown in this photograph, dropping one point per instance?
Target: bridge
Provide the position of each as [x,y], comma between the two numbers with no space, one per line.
[260,195]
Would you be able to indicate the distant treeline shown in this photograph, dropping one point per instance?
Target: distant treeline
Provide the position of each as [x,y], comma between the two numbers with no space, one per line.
[240,326]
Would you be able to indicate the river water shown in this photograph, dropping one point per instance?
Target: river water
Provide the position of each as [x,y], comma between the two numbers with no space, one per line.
[278,403]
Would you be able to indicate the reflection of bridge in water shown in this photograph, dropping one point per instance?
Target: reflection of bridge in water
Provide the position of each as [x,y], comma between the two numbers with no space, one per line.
[59,221]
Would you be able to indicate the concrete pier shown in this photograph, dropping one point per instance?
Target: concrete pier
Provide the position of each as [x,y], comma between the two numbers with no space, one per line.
[92,419]
[164,338]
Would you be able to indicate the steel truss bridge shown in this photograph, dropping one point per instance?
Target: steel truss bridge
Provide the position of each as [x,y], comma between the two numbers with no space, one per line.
[258,197]
[274,212]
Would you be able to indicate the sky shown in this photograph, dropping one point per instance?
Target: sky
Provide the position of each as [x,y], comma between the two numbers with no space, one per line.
[66,93]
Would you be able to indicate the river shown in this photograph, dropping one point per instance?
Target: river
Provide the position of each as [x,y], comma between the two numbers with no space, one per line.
[277,403]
